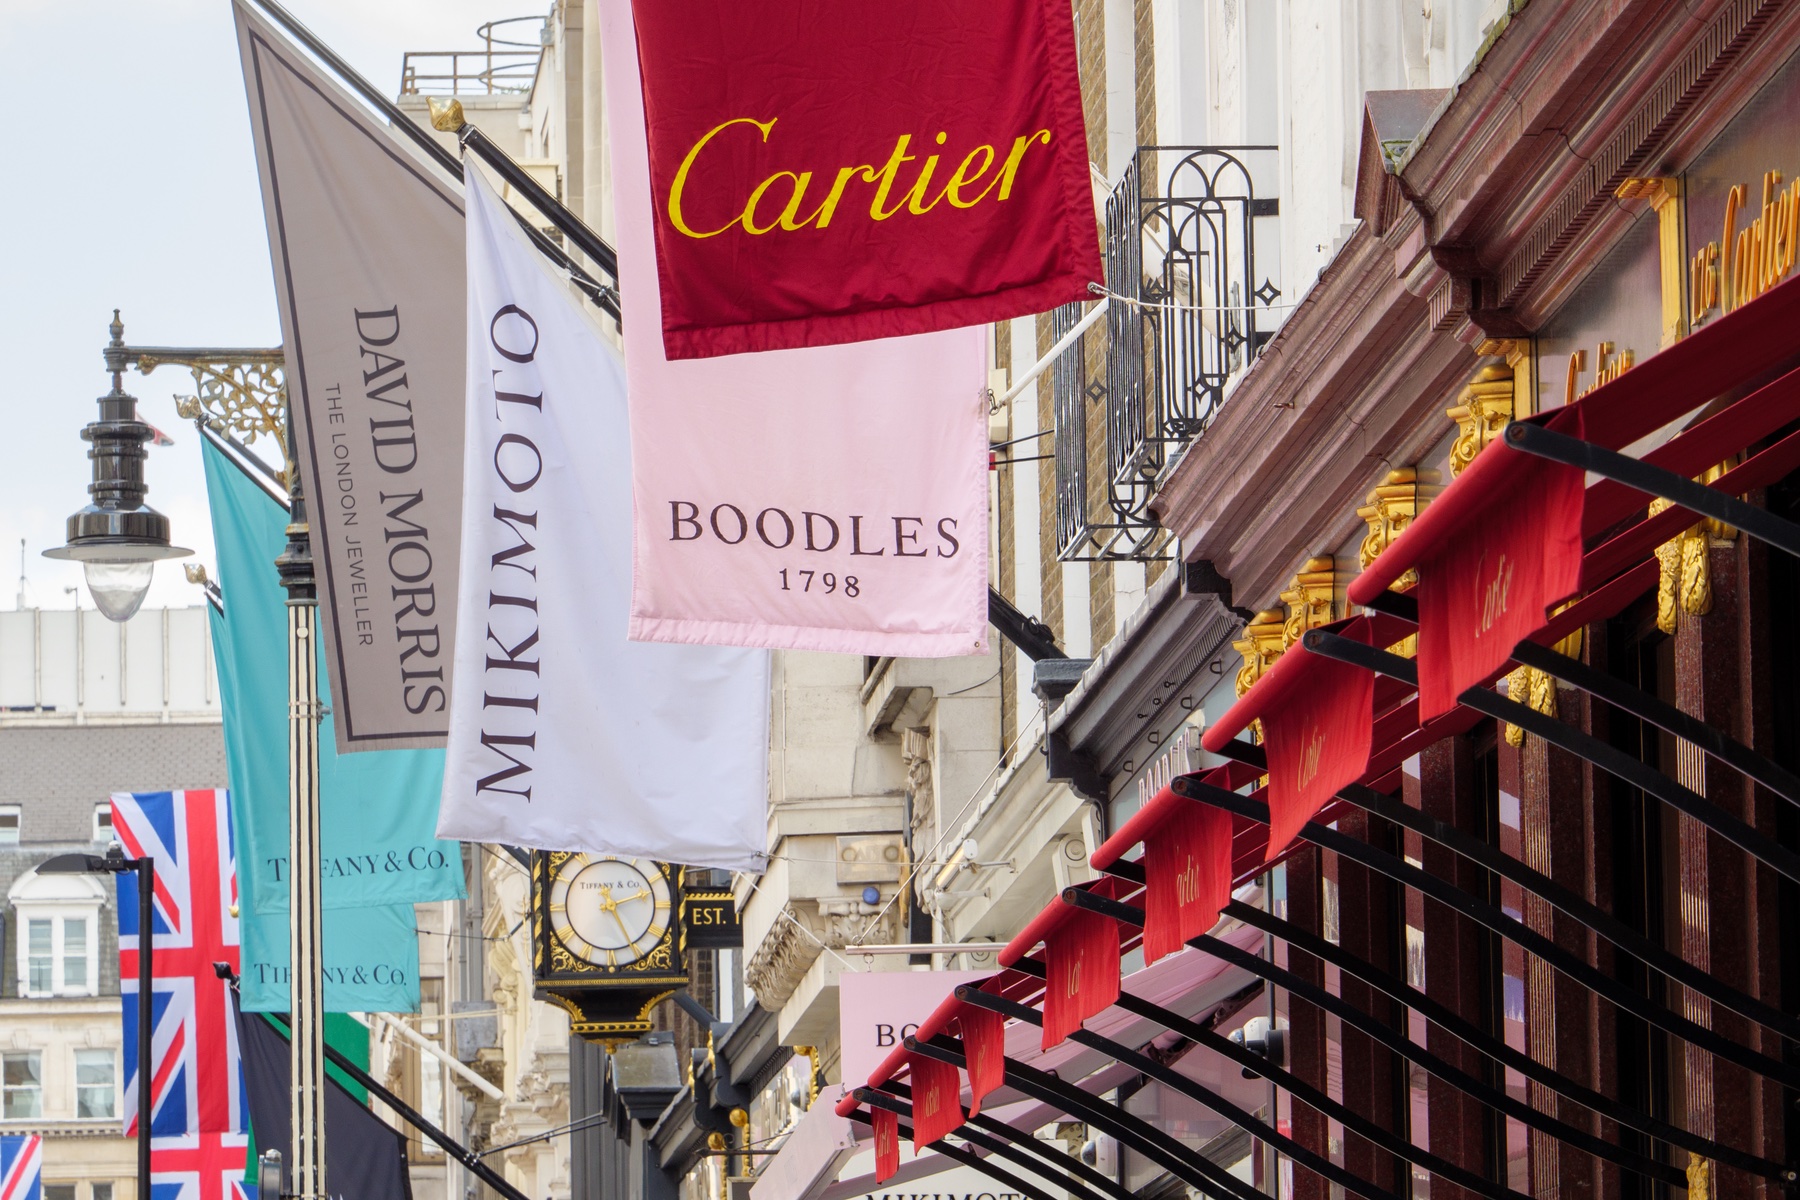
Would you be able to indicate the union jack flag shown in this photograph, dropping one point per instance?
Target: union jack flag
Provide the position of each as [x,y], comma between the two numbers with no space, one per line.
[21,1160]
[197,1085]
[198,1166]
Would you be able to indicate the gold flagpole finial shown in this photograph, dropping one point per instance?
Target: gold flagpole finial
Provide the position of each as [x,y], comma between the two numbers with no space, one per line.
[446,114]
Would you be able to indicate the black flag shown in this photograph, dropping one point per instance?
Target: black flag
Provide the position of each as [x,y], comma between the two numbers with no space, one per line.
[365,1157]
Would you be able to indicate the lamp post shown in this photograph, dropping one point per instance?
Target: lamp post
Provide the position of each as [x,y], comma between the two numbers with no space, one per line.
[238,391]
[114,862]
[116,537]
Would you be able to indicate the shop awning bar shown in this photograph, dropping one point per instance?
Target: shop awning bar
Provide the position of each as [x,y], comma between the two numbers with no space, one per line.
[1585,746]
[1154,1144]
[1493,1047]
[1515,931]
[1065,1169]
[1201,1036]
[1492,858]
[1194,1090]
[955,1153]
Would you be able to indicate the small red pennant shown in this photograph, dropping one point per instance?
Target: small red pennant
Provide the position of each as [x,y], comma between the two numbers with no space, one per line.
[887,1144]
[1187,873]
[1083,972]
[984,1042]
[936,1099]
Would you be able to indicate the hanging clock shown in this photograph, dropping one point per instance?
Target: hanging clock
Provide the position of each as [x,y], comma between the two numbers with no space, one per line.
[607,941]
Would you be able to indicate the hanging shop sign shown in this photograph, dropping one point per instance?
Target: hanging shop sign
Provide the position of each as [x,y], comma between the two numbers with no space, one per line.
[367,250]
[857,171]
[710,921]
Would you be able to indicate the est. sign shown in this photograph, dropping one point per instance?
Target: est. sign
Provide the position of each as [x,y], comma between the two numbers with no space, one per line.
[710,921]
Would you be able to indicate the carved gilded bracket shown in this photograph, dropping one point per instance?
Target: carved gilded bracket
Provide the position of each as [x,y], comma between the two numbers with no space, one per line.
[1485,408]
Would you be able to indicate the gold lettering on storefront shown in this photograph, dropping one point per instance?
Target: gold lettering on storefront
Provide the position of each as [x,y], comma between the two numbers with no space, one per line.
[788,189]
[1745,263]
[1608,366]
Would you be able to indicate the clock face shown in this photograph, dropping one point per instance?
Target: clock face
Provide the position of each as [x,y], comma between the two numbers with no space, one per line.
[609,911]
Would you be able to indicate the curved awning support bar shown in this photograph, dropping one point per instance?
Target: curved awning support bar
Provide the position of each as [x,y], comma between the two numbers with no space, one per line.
[1507,927]
[1613,761]
[1355,1122]
[1485,854]
[1635,473]
[1484,1043]
[957,1154]
[1165,1151]
[1065,1169]
[1660,713]
[1393,1040]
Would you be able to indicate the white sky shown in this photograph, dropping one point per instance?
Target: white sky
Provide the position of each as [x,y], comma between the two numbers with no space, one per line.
[130,182]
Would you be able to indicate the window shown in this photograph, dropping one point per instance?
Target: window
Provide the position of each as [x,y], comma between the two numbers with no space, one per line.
[21,1085]
[103,1191]
[9,824]
[57,922]
[94,1084]
[103,830]
[40,960]
[57,956]
[74,954]
[59,1191]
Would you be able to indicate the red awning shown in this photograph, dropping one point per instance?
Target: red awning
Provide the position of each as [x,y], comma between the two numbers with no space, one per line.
[1504,541]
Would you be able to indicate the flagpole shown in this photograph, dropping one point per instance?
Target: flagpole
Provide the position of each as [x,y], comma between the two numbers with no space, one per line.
[146,886]
[305,959]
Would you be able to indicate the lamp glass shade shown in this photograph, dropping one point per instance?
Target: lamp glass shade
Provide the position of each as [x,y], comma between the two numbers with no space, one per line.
[118,588]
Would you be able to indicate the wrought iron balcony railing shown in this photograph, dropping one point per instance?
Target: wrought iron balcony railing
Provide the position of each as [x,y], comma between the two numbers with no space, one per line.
[1191,258]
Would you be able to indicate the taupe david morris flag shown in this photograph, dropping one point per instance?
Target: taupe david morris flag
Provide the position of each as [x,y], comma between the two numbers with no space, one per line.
[366,238]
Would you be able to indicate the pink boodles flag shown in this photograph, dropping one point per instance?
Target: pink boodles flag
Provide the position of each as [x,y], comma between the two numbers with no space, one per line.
[826,498]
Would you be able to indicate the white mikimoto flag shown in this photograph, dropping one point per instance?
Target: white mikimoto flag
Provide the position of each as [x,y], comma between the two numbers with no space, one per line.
[564,735]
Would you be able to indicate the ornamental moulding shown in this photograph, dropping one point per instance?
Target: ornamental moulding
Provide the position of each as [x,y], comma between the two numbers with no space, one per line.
[805,930]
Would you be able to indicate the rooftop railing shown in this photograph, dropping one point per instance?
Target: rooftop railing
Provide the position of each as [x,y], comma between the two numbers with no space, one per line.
[503,66]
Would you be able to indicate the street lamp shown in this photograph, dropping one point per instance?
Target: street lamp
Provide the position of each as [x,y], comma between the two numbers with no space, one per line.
[117,538]
[114,862]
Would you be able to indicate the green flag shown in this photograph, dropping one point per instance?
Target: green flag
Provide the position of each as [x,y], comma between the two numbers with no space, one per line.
[378,808]
[371,960]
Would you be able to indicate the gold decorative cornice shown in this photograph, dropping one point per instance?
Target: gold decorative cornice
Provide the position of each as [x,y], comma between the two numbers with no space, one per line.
[1262,644]
[1484,409]
[1390,508]
[1311,598]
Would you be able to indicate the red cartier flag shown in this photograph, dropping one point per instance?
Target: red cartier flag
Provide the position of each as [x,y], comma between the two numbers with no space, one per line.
[844,172]
[1187,874]
[887,1143]
[984,1045]
[1082,976]
[936,1099]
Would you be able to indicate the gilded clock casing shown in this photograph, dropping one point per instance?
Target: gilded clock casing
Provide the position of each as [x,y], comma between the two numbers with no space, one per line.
[594,951]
